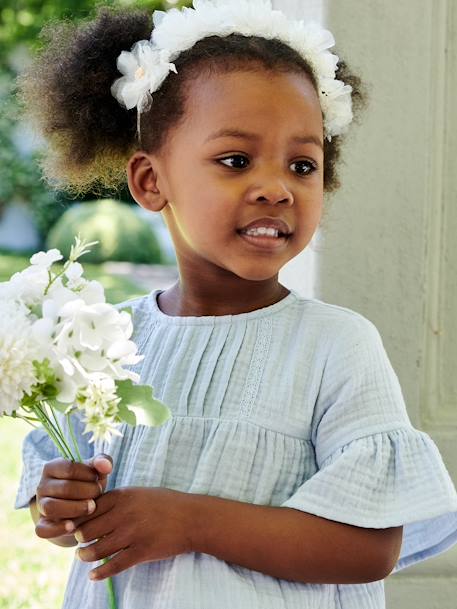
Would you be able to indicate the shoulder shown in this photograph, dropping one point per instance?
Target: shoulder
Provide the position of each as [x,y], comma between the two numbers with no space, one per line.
[337,323]
[351,346]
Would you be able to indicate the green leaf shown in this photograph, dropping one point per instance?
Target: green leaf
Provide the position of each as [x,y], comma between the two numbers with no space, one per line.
[125,414]
[138,405]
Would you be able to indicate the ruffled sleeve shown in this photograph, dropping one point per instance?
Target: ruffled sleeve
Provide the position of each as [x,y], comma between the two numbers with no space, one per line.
[38,449]
[375,469]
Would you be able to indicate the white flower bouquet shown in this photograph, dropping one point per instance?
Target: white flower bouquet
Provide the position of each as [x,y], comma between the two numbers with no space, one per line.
[63,348]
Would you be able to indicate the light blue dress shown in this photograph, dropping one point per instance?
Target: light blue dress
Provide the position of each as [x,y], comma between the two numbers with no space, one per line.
[294,405]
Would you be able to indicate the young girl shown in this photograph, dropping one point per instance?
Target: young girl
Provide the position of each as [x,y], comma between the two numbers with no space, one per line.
[289,475]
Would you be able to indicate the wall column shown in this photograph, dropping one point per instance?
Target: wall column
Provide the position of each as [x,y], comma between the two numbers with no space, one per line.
[388,248]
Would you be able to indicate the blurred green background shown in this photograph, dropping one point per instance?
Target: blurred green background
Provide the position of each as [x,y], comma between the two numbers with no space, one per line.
[34,571]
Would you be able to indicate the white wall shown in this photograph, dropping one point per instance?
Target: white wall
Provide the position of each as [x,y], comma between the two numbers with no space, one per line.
[303,9]
[388,248]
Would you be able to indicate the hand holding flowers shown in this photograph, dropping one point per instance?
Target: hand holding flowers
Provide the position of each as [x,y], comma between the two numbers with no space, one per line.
[136,525]
[63,353]
[66,491]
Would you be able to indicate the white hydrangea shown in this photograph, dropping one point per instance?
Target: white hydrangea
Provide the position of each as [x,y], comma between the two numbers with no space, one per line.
[46,259]
[62,347]
[60,321]
[74,274]
[27,286]
[18,350]
[85,338]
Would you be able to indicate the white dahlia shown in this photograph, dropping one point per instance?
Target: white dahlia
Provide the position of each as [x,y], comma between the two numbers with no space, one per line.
[17,352]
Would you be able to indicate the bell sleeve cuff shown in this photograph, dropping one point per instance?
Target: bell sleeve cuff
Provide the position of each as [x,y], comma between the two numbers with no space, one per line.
[374,469]
[388,479]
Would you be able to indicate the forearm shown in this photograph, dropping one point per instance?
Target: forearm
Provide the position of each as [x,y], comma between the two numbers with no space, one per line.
[286,543]
[65,541]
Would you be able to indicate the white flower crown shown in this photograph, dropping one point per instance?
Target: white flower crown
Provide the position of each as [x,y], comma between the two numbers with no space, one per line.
[149,62]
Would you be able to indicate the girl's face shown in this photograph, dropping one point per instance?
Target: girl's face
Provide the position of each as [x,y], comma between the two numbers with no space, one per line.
[212,183]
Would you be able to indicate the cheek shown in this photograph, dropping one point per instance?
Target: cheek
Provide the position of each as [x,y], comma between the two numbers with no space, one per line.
[214,216]
[208,225]
[309,219]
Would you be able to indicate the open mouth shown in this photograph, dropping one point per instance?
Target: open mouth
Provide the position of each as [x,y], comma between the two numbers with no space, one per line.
[268,242]
[279,236]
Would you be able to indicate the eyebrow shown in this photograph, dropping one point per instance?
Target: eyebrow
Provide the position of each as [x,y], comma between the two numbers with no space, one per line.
[239,133]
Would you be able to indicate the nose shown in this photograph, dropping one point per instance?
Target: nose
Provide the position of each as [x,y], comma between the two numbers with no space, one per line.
[272,191]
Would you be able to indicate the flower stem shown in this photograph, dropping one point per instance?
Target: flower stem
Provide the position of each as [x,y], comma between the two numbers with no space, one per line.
[56,433]
[52,279]
[109,581]
[110,589]
[61,434]
[56,420]
[24,418]
[53,432]
[72,433]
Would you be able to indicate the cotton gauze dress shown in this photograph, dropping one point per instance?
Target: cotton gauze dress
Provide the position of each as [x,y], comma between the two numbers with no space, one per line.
[296,405]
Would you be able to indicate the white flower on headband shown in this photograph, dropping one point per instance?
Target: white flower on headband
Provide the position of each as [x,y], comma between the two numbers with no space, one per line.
[144,69]
[175,31]
[336,105]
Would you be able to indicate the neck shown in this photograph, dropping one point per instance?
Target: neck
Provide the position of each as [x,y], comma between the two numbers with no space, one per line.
[186,300]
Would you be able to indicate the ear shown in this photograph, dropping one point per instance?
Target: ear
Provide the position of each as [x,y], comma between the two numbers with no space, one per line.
[142,173]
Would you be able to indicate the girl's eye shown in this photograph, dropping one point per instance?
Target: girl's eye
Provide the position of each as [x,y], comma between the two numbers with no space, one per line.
[239,161]
[308,167]
[234,156]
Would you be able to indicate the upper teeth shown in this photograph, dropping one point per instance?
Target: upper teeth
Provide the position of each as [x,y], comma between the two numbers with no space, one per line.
[262,230]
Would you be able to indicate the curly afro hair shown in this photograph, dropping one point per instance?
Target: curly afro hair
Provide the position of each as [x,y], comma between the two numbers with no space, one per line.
[66,92]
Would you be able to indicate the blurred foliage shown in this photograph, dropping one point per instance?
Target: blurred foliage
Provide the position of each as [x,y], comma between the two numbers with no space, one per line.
[121,233]
[20,176]
[22,20]
[20,25]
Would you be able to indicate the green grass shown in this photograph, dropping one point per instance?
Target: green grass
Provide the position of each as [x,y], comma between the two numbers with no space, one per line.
[33,571]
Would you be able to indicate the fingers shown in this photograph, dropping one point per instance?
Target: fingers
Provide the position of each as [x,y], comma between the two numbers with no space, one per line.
[64,469]
[58,509]
[104,504]
[103,465]
[66,492]
[123,560]
[48,529]
[90,529]
[104,547]
[68,489]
